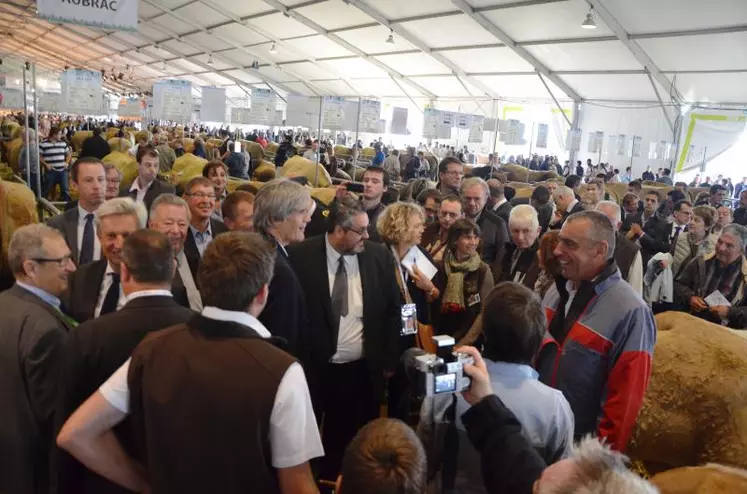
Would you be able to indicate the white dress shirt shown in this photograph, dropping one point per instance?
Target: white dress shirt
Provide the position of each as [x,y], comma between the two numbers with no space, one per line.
[105,284]
[350,335]
[635,274]
[81,226]
[140,191]
[675,225]
[193,294]
[499,204]
[294,436]
[147,293]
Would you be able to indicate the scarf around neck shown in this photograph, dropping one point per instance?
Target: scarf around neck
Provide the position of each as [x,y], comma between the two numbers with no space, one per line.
[453,299]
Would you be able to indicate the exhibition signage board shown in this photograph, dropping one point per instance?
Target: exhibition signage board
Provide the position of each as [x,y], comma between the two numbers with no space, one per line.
[106,14]
[334,113]
[81,92]
[172,100]
[264,102]
[542,132]
[430,123]
[399,121]
[213,104]
[573,140]
[370,115]
[476,128]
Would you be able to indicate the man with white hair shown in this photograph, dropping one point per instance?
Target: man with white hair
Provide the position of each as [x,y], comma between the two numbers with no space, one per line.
[714,286]
[520,263]
[95,288]
[31,346]
[566,204]
[510,464]
[627,253]
[605,332]
[494,234]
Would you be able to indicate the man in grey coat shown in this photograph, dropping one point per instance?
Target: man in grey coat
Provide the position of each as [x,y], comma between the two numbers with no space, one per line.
[32,335]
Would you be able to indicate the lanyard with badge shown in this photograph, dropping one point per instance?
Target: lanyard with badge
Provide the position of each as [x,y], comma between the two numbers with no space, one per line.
[409,311]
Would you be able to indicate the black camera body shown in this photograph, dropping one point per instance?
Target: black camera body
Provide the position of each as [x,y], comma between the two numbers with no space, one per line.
[443,372]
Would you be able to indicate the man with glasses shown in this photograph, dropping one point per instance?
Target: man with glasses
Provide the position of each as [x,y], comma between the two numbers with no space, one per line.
[31,343]
[203,226]
[353,306]
[450,173]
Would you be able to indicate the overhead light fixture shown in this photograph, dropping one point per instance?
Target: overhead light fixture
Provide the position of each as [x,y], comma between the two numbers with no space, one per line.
[210,59]
[273,50]
[390,39]
[589,22]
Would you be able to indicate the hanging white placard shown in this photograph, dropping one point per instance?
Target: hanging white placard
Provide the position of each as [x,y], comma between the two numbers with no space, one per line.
[636,148]
[511,132]
[573,140]
[50,102]
[240,116]
[129,107]
[264,103]
[370,115]
[622,144]
[81,92]
[431,119]
[334,112]
[172,100]
[106,14]
[213,104]
[542,132]
[596,140]
[11,99]
[399,121]
[476,128]
[463,121]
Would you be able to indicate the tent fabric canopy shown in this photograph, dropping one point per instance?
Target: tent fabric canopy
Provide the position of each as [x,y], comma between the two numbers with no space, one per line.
[689,51]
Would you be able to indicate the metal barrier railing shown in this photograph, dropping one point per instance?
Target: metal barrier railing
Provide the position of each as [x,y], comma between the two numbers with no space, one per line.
[44,205]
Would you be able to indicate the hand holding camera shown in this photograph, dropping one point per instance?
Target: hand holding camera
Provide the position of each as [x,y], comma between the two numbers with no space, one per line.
[478,373]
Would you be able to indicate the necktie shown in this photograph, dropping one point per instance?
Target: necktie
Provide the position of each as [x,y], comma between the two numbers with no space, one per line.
[69,320]
[86,246]
[112,296]
[340,292]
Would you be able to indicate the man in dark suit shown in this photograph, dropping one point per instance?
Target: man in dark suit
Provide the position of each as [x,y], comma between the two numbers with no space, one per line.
[169,215]
[97,348]
[95,289]
[566,204]
[32,336]
[285,312]
[203,227]
[497,201]
[493,230]
[147,186]
[353,304]
[77,223]
[95,146]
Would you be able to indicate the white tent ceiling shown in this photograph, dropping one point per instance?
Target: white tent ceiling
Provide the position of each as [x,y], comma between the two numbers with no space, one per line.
[687,50]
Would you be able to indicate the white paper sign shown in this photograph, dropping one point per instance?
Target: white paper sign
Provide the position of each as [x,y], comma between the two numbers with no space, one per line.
[334,112]
[476,129]
[596,140]
[512,131]
[431,118]
[463,121]
[399,121]
[370,115]
[302,112]
[81,92]
[213,104]
[415,257]
[11,99]
[573,140]
[447,118]
[172,100]
[542,131]
[622,144]
[130,107]
[716,299]
[636,149]
[107,14]
[50,102]
[240,116]
[264,102]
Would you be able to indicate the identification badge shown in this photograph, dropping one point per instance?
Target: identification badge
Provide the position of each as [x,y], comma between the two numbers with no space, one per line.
[473,299]
[409,320]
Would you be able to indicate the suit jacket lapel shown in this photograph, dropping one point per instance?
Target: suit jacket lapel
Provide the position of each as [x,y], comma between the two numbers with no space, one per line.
[30,297]
[191,253]
[71,232]
[324,291]
[92,286]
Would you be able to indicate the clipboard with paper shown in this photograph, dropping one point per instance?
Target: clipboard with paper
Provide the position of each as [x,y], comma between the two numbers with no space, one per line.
[415,257]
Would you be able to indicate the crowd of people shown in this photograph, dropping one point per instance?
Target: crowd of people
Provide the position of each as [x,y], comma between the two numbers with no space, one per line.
[283,326]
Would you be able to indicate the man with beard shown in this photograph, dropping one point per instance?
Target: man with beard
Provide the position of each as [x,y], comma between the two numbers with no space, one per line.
[605,331]
[353,305]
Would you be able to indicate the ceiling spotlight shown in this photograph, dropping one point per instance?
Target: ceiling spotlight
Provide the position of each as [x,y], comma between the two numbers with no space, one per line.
[255,65]
[390,39]
[273,50]
[210,59]
[589,22]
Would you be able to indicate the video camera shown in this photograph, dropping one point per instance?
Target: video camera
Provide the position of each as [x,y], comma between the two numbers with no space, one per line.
[440,373]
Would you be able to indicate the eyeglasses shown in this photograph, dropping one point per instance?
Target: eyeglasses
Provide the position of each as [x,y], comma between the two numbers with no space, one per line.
[201,195]
[362,233]
[61,261]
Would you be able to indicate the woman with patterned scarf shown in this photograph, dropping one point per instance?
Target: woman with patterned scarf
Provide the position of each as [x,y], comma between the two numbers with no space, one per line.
[464,281]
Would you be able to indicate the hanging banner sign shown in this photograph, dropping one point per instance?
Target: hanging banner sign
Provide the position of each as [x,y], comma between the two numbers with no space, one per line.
[573,140]
[447,118]
[542,132]
[81,92]
[172,100]
[130,107]
[50,102]
[240,116]
[213,104]
[596,140]
[463,121]
[611,145]
[11,99]
[370,115]
[105,14]
[264,102]
[302,111]
[399,121]
[511,132]
[431,117]
[476,128]
[334,112]
[622,144]
[636,148]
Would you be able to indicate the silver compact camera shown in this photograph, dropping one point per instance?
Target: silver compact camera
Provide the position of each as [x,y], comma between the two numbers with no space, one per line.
[441,373]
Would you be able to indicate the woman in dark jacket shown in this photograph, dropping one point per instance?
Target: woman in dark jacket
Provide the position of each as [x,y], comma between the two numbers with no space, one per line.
[463,281]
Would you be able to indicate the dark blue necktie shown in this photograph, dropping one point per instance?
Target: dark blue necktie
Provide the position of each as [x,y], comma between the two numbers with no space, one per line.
[86,246]
[112,296]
